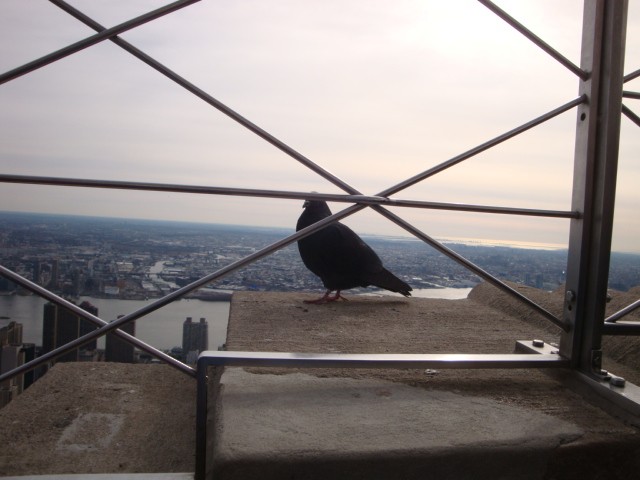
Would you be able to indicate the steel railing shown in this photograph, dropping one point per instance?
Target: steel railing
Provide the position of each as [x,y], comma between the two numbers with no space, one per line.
[578,335]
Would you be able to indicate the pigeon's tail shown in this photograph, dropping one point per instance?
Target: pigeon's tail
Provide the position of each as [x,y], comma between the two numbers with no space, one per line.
[387,280]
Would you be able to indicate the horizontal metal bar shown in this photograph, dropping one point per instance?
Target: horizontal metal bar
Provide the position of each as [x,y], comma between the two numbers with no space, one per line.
[622,328]
[631,115]
[621,313]
[629,94]
[630,76]
[344,360]
[584,75]
[481,148]
[92,40]
[378,360]
[331,197]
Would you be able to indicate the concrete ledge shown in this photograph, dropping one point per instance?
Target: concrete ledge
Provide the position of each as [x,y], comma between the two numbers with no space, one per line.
[273,426]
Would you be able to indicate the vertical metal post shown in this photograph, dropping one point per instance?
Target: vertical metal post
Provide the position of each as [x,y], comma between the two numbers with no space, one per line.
[594,181]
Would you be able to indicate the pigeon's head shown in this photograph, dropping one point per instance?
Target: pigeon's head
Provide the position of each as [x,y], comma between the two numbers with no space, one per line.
[317,208]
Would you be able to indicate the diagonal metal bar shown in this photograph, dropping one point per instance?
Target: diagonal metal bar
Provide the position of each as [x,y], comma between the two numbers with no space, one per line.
[621,313]
[92,40]
[535,39]
[207,98]
[484,146]
[630,76]
[109,327]
[472,267]
[628,94]
[631,115]
[43,292]
[248,192]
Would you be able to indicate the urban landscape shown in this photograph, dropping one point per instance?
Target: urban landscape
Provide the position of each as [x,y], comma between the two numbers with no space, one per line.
[123,259]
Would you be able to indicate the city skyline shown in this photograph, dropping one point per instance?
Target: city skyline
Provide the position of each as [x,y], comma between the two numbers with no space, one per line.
[372,92]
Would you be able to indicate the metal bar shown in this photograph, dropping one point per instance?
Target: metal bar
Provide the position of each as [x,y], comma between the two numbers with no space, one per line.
[362,199]
[481,148]
[474,268]
[92,40]
[38,290]
[202,407]
[631,115]
[108,327]
[629,94]
[353,360]
[331,197]
[631,76]
[378,360]
[209,99]
[594,184]
[583,74]
[621,313]
[623,328]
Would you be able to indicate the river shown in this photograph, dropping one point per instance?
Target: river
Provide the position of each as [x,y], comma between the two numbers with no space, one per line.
[162,328]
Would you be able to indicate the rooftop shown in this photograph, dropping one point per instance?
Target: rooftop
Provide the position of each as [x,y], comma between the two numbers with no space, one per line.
[84,418]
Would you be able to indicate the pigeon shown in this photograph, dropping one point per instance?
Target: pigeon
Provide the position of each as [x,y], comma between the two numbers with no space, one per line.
[341,258]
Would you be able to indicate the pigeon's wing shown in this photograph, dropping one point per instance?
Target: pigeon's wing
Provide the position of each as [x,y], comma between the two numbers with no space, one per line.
[362,262]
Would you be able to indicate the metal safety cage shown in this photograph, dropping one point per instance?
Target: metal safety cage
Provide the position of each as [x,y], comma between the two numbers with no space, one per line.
[599,108]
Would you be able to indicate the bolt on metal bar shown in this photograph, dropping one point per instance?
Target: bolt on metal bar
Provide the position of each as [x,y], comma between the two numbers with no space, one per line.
[535,39]
[282,194]
[630,76]
[108,327]
[43,292]
[92,40]
[631,115]
[621,313]
[209,99]
[484,146]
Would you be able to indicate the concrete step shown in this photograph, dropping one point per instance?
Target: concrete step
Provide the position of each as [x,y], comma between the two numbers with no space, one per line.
[302,426]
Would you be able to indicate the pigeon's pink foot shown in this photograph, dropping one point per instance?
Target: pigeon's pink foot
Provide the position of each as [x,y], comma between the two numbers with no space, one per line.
[326,298]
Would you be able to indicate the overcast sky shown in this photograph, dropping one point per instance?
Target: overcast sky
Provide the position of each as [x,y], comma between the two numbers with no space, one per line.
[372,91]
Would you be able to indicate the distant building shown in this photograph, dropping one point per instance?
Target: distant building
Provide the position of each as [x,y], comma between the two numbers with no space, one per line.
[195,337]
[11,356]
[60,326]
[116,349]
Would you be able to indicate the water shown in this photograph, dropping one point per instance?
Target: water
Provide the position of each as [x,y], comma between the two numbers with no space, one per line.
[446,293]
[162,328]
